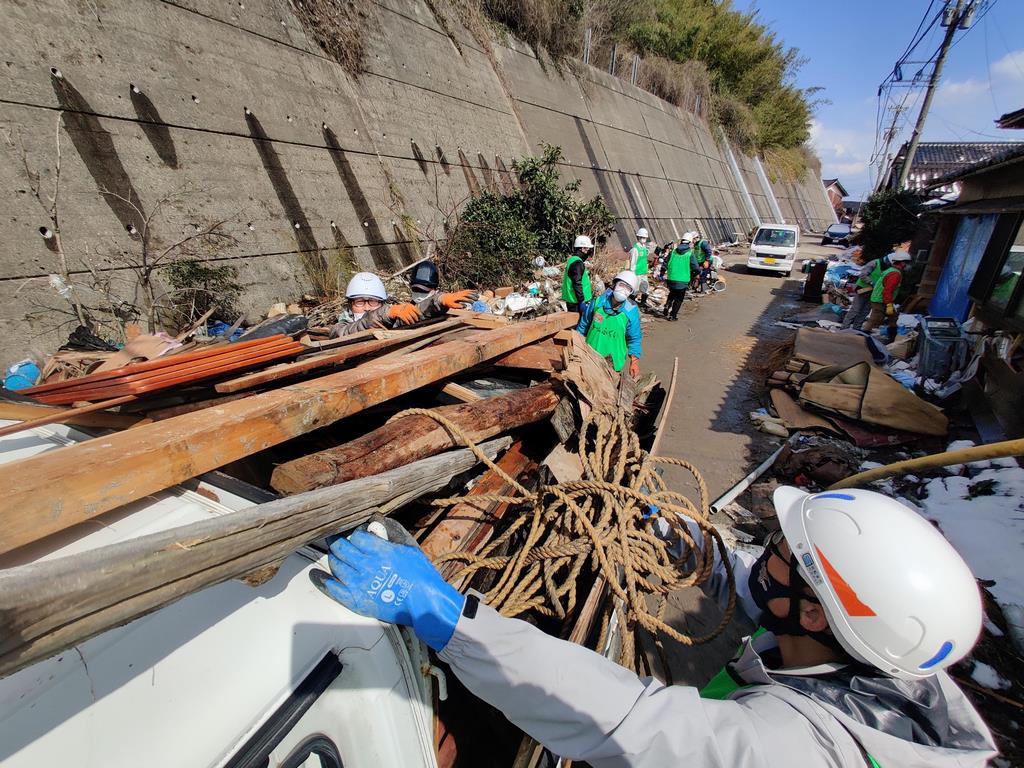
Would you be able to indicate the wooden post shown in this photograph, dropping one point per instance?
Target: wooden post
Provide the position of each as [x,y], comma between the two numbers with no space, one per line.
[57,489]
[413,437]
[51,605]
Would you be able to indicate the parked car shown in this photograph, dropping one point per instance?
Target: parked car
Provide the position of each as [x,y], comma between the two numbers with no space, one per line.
[837,233]
[773,248]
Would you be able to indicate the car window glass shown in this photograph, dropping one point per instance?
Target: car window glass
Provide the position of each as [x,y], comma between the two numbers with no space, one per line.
[778,237]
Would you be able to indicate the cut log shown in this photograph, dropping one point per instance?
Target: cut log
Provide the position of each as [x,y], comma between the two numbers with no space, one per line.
[331,358]
[49,606]
[59,488]
[413,437]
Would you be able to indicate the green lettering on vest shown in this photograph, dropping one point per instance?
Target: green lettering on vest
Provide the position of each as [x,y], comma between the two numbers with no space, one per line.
[876,292]
[678,270]
[568,293]
[607,334]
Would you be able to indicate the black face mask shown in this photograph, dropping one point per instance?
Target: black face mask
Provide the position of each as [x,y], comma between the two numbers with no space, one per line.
[764,588]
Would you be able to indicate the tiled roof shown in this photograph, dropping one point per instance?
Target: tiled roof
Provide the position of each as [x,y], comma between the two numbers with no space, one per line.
[1012,120]
[950,156]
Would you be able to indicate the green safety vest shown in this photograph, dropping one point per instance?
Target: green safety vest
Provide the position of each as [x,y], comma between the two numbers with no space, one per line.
[699,254]
[641,260]
[876,292]
[568,294]
[723,685]
[872,279]
[607,334]
[678,270]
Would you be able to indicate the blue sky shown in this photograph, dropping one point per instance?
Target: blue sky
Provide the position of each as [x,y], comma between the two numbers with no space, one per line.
[851,47]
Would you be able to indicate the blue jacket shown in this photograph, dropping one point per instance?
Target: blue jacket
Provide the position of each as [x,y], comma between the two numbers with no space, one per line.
[633,333]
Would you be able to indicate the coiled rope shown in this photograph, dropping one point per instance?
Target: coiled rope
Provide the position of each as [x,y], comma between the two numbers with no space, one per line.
[603,522]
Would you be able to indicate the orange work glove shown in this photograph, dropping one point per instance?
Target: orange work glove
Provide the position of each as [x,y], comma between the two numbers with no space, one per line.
[459,299]
[405,314]
[634,367]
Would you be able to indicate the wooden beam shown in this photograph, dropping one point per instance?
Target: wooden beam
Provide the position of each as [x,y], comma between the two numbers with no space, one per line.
[462,393]
[99,419]
[409,438]
[57,489]
[469,525]
[49,606]
[330,358]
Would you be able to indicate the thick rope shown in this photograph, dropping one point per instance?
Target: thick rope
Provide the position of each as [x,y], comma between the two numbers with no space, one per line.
[603,522]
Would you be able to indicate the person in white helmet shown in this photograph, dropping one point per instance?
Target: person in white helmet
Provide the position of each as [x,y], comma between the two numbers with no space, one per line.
[884,291]
[611,324]
[368,306]
[638,262]
[862,605]
[576,288]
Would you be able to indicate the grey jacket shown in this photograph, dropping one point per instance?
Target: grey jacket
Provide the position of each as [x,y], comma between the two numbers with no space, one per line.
[585,707]
[378,318]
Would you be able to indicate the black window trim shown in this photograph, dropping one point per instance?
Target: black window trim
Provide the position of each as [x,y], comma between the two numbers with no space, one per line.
[996,253]
[318,744]
[256,750]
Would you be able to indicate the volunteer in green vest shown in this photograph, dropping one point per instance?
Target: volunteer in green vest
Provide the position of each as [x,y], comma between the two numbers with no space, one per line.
[866,279]
[863,603]
[576,288]
[703,255]
[638,262]
[679,268]
[611,324]
[883,295]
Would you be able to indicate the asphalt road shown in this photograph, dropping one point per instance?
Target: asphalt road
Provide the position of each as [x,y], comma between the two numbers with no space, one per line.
[721,341]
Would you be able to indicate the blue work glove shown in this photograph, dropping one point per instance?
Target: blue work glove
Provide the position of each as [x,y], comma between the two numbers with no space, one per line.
[391,580]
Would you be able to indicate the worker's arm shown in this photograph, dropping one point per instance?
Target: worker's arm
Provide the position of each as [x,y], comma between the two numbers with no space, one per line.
[890,283]
[634,255]
[375,318]
[576,278]
[437,304]
[585,707]
[634,336]
[694,266]
[586,316]
[705,248]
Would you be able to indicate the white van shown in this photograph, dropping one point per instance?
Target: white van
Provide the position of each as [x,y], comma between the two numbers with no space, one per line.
[232,676]
[774,248]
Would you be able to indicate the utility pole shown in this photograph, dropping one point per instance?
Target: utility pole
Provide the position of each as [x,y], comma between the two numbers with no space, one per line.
[958,14]
[883,163]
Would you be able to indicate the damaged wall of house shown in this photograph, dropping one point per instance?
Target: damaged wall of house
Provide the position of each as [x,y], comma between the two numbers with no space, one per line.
[225,133]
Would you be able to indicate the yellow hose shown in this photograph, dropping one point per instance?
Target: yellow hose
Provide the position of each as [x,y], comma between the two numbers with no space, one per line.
[960,456]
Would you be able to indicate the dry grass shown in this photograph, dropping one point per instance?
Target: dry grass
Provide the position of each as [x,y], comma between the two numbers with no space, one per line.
[683,84]
[791,165]
[737,120]
[338,26]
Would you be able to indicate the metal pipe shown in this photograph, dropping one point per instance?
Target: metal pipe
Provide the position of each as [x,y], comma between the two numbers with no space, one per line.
[745,483]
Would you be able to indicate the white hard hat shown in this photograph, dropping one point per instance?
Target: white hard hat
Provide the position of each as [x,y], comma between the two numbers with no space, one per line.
[582,241]
[690,236]
[899,256]
[365,285]
[642,232]
[629,278]
[896,593]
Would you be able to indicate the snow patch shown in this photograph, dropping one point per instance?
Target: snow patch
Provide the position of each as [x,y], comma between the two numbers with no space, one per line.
[987,676]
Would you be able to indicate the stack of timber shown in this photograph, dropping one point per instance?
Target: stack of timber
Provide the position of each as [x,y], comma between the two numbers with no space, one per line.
[339,431]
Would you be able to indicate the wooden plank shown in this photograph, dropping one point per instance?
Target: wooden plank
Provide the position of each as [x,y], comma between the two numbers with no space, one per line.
[409,438]
[57,489]
[479,319]
[330,358]
[546,356]
[462,393]
[61,416]
[468,526]
[149,365]
[49,606]
[99,419]
[666,407]
[179,375]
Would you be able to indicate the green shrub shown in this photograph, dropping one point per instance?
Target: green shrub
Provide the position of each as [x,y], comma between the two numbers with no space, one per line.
[889,216]
[199,285]
[496,237]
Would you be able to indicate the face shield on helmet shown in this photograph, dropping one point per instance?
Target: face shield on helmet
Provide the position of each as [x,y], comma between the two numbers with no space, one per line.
[896,594]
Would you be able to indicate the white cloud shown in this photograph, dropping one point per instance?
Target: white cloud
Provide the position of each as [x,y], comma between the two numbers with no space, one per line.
[844,153]
[1010,66]
[960,91]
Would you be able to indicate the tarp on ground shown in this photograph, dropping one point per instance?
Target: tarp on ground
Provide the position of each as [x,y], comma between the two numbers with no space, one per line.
[866,393]
[827,348]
